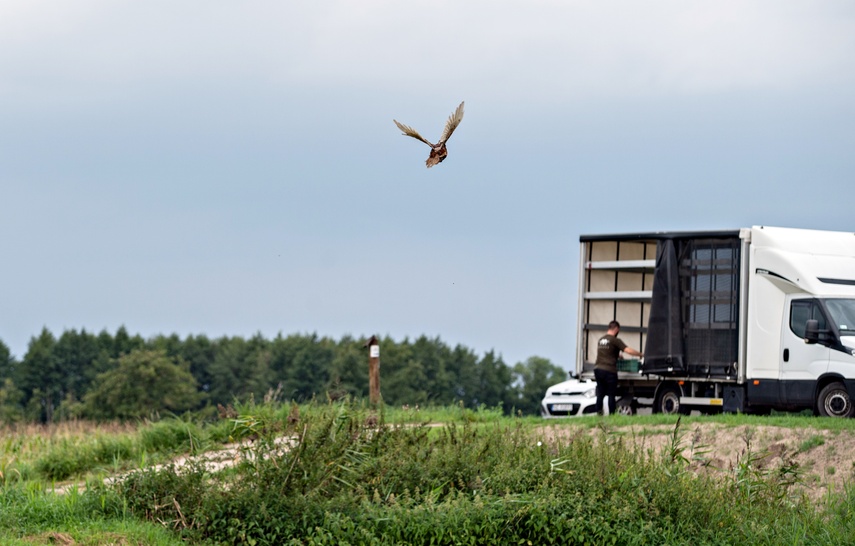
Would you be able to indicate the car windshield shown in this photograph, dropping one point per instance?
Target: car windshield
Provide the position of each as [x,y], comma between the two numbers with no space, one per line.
[842,313]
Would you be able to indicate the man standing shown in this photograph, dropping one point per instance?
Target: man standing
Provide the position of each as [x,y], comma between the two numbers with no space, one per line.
[605,369]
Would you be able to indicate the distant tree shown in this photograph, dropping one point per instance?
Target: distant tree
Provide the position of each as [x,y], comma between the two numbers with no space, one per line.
[11,398]
[531,380]
[463,368]
[402,375]
[199,352]
[7,362]
[171,345]
[55,375]
[434,358]
[124,343]
[239,369]
[106,342]
[41,377]
[226,374]
[143,383]
[258,379]
[401,385]
[348,373]
[494,382]
[77,354]
[302,363]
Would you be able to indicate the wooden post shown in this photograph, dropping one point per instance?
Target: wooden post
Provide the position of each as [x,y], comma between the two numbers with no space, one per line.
[373,345]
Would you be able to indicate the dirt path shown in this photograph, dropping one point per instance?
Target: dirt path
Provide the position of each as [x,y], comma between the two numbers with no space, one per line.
[214,461]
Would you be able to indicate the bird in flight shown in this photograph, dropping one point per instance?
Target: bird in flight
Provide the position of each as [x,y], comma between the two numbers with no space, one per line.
[438,151]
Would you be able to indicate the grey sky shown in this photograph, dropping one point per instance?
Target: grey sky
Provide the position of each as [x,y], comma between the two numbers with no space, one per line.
[227,168]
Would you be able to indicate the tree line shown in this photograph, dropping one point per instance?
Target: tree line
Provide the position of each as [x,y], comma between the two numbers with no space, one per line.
[104,376]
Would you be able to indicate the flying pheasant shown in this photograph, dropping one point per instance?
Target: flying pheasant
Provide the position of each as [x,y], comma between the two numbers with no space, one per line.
[438,151]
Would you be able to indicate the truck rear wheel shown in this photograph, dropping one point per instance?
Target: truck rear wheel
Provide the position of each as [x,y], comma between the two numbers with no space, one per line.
[668,401]
[834,401]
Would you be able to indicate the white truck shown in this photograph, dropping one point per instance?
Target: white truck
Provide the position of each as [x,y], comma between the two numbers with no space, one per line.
[745,320]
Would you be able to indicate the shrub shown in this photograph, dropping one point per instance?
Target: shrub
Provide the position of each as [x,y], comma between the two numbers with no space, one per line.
[346,477]
[69,458]
[171,436]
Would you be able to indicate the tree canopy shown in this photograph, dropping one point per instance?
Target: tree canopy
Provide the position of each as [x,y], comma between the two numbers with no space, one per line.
[122,376]
[143,382]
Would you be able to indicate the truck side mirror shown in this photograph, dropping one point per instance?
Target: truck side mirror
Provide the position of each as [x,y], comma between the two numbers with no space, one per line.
[811,331]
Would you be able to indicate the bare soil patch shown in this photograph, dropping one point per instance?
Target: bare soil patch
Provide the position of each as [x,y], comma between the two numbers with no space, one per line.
[825,459]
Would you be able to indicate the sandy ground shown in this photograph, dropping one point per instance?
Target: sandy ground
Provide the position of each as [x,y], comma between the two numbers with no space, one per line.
[825,460]
[213,461]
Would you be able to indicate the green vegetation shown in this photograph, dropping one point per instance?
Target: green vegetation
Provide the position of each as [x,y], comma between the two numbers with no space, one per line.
[78,451]
[323,467]
[109,377]
[142,380]
[29,516]
[815,440]
[350,475]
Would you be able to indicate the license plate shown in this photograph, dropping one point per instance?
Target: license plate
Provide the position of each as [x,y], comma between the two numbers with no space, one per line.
[562,407]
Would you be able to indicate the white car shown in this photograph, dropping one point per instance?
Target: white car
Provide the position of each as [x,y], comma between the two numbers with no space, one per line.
[570,398]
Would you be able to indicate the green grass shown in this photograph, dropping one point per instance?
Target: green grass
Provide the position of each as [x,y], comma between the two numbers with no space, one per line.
[813,441]
[78,451]
[129,533]
[785,420]
[480,478]
[446,414]
[29,515]
[483,481]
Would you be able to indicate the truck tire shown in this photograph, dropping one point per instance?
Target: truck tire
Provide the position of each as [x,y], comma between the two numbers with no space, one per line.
[668,401]
[834,401]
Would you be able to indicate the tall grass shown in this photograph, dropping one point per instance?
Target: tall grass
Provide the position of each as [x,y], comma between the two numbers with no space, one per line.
[77,450]
[30,452]
[786,420]
[29,515]
[347,481]
[347,474]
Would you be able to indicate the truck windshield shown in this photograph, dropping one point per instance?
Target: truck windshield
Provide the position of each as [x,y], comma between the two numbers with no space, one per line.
[842,313]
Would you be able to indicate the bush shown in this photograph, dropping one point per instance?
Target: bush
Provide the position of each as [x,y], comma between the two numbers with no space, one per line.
[347,481]
[66,458]
[172,436]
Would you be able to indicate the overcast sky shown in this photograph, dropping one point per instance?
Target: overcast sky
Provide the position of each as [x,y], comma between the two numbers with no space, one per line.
[229,168]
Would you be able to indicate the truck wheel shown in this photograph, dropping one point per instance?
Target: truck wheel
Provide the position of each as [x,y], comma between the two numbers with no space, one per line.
[625,406]
[834,401]
[668,401]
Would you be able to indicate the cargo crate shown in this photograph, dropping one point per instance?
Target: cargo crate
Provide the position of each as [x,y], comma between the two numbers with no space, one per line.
[628,365]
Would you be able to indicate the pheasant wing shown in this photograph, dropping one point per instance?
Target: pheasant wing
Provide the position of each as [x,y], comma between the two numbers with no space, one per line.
[409,131]
[452,123]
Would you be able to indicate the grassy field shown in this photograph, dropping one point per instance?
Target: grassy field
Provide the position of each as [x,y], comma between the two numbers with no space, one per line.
[441,475]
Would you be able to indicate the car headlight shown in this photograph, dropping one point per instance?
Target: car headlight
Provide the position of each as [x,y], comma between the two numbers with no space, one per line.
[590,393]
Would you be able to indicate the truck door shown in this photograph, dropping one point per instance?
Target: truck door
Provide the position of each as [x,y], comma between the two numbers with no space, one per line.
[801,363]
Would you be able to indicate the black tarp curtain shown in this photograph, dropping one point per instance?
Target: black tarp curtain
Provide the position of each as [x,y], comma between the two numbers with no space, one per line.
[664,350]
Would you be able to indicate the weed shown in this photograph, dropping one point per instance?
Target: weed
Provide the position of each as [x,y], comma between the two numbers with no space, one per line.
[171,436]
[336,473]
[755,481]
[811,442]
